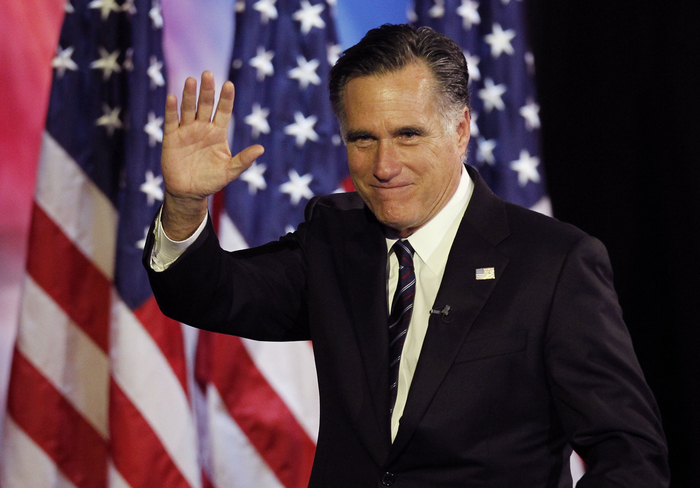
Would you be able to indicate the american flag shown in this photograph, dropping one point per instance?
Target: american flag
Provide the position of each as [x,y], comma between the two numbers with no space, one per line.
[262,398]
[98,391]
[505,129]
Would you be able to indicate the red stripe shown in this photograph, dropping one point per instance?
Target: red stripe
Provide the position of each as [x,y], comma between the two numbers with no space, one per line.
[167,333]
[257,409]
[347,184]
[204,360]
[217,208]
[206,482]
[137,452]
[42,412]
[69,278]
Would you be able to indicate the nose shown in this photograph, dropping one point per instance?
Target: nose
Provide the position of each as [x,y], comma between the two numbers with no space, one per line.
[387,164]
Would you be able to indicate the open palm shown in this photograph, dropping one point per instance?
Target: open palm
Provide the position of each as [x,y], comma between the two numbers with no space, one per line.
[196,160]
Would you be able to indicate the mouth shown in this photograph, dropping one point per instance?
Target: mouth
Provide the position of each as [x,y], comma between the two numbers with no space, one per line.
[391,192]
[391,187]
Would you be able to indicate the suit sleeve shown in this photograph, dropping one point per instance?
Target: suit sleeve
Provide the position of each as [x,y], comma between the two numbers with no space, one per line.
[606,407]
[257,293]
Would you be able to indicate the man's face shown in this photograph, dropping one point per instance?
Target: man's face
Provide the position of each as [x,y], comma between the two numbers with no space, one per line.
[404,161]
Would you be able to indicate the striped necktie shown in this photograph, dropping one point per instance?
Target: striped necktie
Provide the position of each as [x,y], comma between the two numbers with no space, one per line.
[400,316]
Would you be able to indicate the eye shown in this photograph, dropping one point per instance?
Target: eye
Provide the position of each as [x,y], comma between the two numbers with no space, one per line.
[361,139]
[409,134]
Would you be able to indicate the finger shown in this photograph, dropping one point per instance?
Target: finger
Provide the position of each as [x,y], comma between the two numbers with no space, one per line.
[189,101]
[244,159]
[172,121]
[224,108]
[205,107]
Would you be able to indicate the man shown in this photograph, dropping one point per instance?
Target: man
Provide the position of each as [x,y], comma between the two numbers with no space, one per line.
[473,353]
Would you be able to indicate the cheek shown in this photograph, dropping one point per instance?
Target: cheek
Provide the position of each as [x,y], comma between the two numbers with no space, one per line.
[359,165]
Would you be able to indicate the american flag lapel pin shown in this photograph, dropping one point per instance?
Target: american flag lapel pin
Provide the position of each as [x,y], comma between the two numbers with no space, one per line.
[485,274]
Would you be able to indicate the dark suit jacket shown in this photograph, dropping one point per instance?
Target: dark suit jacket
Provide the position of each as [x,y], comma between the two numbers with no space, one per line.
[521,367]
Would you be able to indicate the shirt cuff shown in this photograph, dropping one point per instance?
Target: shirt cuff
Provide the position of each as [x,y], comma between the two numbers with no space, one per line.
[166,251]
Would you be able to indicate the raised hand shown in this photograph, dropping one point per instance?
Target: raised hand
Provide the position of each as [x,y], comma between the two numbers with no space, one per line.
[196,160]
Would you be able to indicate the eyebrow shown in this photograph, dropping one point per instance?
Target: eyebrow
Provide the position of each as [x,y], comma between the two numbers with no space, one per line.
[354,135]
[412,129]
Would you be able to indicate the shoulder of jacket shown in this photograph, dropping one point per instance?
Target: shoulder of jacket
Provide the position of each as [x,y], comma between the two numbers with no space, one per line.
[336,201]
[543,232]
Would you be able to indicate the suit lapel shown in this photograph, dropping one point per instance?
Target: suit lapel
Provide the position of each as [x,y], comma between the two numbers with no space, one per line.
[365,266]
[484,225]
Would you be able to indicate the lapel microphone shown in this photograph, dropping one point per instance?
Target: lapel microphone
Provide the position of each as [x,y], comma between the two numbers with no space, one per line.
[445,312]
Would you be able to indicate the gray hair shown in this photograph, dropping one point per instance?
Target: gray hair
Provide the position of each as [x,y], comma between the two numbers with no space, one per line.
[390,48]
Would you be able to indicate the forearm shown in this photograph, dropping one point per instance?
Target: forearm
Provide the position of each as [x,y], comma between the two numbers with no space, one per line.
[256,293]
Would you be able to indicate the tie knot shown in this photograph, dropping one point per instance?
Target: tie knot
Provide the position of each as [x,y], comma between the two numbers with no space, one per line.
[404,252]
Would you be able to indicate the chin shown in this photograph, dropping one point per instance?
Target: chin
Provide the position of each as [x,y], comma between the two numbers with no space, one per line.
[400,226]
[395,216]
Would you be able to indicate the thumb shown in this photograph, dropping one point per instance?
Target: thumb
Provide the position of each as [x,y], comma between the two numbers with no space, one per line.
[244,159]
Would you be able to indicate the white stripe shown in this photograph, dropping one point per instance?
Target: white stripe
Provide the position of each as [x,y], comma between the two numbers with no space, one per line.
[398,336]
[543,206]
[290,370]
[229,236]
[578,469]
[76,205]
[64,355]
[235,462]
[145,376]
[114,478]
[24,464]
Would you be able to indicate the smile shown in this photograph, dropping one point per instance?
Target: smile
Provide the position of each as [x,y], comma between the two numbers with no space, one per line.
[392,187]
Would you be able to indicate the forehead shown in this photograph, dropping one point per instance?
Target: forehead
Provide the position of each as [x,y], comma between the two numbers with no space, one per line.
[402,93]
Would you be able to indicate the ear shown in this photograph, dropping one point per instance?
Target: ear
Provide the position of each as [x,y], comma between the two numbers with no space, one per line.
[464,131]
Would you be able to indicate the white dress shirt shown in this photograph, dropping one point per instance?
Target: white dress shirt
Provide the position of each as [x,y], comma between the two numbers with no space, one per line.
[166,251]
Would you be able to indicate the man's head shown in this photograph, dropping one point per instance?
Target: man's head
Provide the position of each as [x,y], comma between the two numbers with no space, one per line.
[406,127]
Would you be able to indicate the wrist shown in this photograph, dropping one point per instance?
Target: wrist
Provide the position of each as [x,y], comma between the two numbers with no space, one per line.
[182,216]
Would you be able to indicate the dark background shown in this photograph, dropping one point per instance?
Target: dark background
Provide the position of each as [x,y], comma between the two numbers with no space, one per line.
[618,90]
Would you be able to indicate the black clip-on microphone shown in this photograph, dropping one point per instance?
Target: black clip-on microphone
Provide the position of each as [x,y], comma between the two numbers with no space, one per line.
[445,312]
